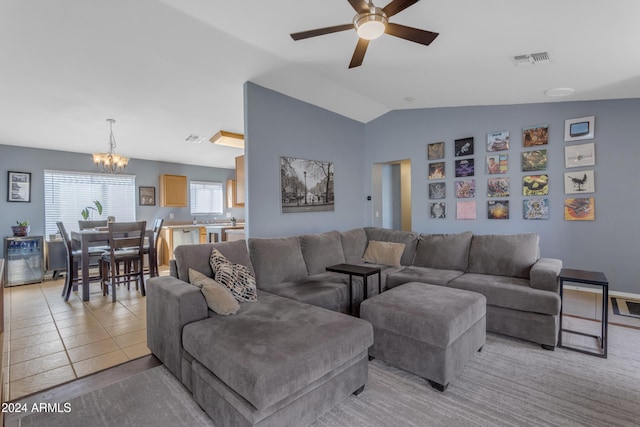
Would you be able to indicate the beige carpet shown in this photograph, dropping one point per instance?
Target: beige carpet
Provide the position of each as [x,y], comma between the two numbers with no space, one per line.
[510,383]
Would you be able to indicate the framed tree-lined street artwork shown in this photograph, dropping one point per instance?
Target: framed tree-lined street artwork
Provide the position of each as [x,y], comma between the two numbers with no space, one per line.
[306,185]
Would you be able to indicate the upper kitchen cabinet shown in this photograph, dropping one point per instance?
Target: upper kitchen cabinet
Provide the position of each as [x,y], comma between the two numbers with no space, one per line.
[173,191]
[240,178]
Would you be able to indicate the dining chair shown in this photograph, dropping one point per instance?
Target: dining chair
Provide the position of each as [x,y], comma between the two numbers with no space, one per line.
[125,260]
[74,258]
[86,225]
[152,269]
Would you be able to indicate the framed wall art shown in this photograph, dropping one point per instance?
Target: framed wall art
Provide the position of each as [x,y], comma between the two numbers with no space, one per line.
[535,185]
[579,129]
[463,147]
[535,160]
[498,187]
[535,209]
[497,164]
[580,209]
[306,185]
[437,190]
[579,155]
[466,189]
[19,187]
[436,170]
[435,151]
[498,209]
[579,182]
[438,210]
[464,167]
[466,210]
[535,135]
[147,196]
[498,141]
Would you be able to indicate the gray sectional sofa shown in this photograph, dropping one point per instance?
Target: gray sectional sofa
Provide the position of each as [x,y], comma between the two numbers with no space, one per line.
[289,357]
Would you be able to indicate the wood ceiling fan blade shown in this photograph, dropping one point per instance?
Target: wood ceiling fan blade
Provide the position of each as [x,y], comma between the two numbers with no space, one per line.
[397,6]
[412,34]
[359,6]
[358,54]
[321,31]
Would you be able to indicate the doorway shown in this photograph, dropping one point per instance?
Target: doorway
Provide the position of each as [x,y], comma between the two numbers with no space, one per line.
[392,195]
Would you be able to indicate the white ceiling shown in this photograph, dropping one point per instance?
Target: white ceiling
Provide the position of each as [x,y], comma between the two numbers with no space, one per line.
[165,69]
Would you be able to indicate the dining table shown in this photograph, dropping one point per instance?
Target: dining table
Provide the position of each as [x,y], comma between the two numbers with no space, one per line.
[88,238]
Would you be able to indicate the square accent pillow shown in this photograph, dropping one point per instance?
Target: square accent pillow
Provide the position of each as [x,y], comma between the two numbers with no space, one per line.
[219,299]
[237,278]
[385,253]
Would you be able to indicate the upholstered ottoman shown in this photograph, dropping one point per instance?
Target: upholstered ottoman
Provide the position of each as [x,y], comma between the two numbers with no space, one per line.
[428,330]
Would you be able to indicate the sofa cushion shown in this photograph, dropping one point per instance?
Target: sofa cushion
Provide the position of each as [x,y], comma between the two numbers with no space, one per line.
[321,250]
[444,251]
[327,290]
[509,292]
[275,347]
[354,243]
[235,277]
[504,255]
[434,276]
[219,299]
[277,260]
[385,253]
[409,238]
[197,257]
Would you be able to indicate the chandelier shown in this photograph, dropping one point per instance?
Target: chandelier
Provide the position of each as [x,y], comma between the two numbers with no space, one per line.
[110,162]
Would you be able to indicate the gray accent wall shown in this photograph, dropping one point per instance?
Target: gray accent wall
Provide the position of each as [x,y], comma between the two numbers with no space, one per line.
[608,244]
[277,125]
[34,160]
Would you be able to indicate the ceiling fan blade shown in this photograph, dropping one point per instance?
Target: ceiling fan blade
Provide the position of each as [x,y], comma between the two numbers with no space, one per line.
[359,6]
[358,54]
[397,6]
[321,31]
[411,34]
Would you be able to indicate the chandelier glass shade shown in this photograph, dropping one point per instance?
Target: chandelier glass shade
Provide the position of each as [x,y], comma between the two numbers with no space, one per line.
[110,162]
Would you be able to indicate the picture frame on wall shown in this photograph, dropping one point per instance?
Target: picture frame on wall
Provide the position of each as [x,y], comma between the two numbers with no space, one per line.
[438,210]
[465,189]
[576,156]
[580,128]
[579,182]
[498,187]
[535,160]
[497,164]
[463,147]
[535,135]
[147,196]
[437,190]
[534,209]
[464,167]
[580,209]
[435,151]
[436,170]
[306,185]
[19,187]
[466,210]
[498,209]
[498,141]
[535,185]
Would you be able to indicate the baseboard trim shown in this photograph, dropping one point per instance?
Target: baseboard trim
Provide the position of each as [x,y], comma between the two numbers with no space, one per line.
[599,291]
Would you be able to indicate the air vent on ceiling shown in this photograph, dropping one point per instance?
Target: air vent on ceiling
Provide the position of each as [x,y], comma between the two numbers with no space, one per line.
[531,59]
[194,139]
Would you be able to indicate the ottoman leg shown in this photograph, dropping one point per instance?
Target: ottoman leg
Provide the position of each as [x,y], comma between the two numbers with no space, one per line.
[480,349]
[358,391]
[371,358]
[437,386]
[548,347]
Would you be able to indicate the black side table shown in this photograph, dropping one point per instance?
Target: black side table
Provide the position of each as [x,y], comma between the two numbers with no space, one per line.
[590,278]
[360,271]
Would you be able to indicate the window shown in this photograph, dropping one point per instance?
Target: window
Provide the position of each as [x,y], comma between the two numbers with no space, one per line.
[206,197]
[66,194]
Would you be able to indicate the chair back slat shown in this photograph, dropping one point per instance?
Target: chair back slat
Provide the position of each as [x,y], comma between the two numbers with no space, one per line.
[129,235]
[86,225]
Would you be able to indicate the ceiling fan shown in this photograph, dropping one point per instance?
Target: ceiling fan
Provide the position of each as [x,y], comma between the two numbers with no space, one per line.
[370,23]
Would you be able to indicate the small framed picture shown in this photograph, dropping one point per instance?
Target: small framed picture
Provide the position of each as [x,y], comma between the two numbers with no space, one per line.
[438,210]
[498,141]
[579,155]
[579,129]
[498,187]
[535,135]
[580,209]
[19,187]
[579,182]
[497,164]
[147,196]
[435,151]
[466,210]
[535,185]
[498,209]
[436,170]
[535,160]
[535,208]
[463,147]
[437,190]
[464,167]
[466,189]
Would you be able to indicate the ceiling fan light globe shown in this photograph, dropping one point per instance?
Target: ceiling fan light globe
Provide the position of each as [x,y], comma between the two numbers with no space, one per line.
[371,25]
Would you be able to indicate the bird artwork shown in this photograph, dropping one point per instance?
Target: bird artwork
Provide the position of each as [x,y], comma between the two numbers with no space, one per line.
[578,183]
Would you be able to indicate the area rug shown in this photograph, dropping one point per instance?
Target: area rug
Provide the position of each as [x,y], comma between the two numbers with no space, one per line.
[509,383]
[626,307]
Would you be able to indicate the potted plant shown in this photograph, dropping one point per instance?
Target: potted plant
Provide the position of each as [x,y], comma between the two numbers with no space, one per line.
[22,229]
[88,211]
[233,221]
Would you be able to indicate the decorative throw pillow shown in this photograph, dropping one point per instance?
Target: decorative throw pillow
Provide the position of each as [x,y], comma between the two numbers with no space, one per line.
[219,299]
[237,278]
[385,253]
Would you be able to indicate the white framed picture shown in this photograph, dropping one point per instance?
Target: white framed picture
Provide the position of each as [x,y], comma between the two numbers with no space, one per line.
[579,129]
[579,155]
[579,182]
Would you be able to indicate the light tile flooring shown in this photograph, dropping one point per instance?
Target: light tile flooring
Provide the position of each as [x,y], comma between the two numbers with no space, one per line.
[50,341]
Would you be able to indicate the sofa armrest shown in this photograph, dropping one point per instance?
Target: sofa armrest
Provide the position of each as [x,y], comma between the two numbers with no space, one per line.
[544,274]
[171,304]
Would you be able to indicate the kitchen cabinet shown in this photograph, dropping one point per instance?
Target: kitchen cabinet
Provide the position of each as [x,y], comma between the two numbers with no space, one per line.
[173,236]
[240,179]
[173,191]
[231,194]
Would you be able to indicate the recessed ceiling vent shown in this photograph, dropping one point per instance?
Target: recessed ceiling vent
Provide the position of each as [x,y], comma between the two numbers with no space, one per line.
[531,59]
[194,138]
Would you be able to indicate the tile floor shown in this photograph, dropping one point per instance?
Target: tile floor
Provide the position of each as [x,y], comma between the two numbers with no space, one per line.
[51,342]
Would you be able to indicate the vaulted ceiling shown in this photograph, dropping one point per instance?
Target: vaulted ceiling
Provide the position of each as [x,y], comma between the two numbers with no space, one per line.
[167,69]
